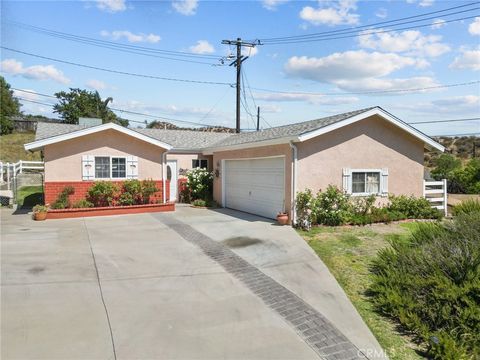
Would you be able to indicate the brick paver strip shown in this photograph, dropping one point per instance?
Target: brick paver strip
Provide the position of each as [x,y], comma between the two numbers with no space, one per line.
[322,336]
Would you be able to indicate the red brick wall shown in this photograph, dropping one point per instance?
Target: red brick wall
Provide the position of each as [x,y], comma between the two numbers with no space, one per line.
[52,189]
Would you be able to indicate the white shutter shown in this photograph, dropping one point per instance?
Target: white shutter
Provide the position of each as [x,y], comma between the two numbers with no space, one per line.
[384,182]
[132,167]
[88,167]
[347,180]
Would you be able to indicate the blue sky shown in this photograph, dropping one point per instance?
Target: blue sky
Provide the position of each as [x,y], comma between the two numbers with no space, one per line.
[434,55]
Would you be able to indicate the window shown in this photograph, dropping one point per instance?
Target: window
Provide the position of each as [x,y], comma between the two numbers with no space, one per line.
[118,167]
[200,163]
[102,167]
[107,167]
[365,182]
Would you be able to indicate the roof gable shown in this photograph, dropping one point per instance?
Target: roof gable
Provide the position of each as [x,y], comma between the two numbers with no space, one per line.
[82,131]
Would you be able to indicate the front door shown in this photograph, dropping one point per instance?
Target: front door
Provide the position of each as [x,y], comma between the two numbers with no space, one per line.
[172,177]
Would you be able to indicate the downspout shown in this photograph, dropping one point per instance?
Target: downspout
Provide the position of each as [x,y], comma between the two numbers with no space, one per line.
[164,188]
[293,195]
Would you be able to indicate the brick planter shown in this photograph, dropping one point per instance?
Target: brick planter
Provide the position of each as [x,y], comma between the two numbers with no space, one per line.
[109,210]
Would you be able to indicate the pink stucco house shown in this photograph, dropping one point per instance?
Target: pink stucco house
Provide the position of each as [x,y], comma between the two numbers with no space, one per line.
[368,151]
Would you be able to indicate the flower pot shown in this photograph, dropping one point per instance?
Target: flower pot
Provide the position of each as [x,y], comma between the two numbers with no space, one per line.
[39,215]
[282,218]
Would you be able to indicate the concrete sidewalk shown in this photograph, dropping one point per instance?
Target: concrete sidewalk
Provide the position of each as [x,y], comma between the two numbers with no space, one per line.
[131,287]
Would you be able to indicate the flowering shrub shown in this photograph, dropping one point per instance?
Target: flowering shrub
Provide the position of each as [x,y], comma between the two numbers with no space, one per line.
[200,184]
[304,204]
[333,206]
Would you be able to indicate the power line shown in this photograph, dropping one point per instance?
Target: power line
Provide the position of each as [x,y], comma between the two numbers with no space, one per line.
[85,39]
[357,28]
[444,121]
[364,33]
[369,92]
[467,134]
[116,71]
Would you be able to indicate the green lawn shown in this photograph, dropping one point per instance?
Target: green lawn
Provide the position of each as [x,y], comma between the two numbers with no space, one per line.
[347,252]
[12,150]
[29,196]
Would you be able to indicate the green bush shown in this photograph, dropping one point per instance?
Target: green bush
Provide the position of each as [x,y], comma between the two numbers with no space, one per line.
[199,202]
[466,207]
[63,199]
[148,188]
[82,203]
[102,193]
[431,286]
[413,208]
[332,206]
[305,205]
[200,184]
[460,179]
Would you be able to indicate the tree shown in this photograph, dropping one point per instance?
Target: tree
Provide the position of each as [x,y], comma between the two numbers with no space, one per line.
[9,106]
[82,103]
[445,165]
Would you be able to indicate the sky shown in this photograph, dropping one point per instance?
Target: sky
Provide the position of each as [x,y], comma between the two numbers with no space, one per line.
[290,80]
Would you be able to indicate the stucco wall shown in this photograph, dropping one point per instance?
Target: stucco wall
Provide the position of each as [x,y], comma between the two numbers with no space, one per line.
[266,151]
[184,161]
[63,160]
[371,143]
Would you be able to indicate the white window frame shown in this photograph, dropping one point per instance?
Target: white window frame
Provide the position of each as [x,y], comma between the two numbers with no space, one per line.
[111,170]
[350,187]
[199,163]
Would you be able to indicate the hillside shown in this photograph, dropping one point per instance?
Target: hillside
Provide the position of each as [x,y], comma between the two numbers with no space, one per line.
[460,146]
[11,147]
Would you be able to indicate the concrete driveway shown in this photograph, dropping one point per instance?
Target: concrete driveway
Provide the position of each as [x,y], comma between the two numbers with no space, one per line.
[194,284]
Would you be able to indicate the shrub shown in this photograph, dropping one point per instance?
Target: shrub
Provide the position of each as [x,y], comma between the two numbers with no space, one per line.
[362,205]
[148,189]
[63,199]
[431,286]
[200,184]
[467,207]
[40,208]
[82,203]
[413,208]
[199,202]
[332,206]
[305,205]
[102,193]
[131,192]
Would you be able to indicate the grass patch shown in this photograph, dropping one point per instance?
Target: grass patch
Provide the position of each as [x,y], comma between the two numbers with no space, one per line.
[12,150]
[29,196]
[348,252]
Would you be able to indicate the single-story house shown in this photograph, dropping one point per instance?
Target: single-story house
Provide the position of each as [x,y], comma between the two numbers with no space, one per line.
[367,151]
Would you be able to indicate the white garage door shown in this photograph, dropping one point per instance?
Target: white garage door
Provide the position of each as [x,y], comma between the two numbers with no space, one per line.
[256,186]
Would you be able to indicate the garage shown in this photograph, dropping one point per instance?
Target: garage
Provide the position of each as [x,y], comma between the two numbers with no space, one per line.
[256,186]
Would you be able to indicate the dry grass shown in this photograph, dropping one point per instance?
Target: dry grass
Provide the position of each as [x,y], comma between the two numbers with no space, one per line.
[12,150]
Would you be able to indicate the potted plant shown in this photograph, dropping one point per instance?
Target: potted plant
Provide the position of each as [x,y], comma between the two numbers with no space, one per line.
[40,212]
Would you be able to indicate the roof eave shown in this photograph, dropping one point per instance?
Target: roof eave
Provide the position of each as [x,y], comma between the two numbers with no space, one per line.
[249,145]
[40,144]
[428,141]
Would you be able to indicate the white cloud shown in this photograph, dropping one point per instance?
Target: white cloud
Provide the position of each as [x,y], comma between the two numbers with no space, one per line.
[131,37]
[37,72]
[381,13]
[202,47]
[338,13]
[349,65]
[474,27]
[96,84]
[422,3]
[438,24]
[310,98]
[250,51]
[469,59]
[272,4]
[466,104]
[185,7]
[111,5]
[412,42]
[27,94]
[380,84]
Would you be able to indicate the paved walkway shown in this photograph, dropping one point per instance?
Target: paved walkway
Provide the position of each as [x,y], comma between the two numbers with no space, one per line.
[312,326]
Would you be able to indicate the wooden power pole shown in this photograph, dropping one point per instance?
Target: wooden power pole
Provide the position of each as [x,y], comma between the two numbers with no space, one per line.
[238,64]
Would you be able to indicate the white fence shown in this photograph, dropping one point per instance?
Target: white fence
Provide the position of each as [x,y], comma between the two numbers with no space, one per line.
[436,193]
[9,171]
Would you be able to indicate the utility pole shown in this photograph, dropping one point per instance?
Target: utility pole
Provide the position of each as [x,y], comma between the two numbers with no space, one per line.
[258,118]
[238,64]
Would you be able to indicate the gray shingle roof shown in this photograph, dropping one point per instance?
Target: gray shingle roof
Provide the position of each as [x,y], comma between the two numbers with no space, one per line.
[287,130]
[194,140]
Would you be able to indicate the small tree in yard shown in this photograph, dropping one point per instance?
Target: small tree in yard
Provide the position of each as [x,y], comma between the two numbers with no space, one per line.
[200,184]
[9,106]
